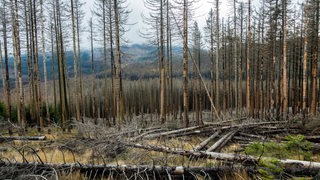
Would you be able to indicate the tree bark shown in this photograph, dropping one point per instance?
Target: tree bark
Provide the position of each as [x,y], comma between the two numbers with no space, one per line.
[44,56]
[217,58]
[304,67]
[162,68]
[75,67]
[284,59]
[185,64]
[314,71]
[248,63]
[120,105]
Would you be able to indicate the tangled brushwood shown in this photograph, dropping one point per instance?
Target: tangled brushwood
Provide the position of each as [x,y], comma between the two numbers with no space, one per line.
[228,149]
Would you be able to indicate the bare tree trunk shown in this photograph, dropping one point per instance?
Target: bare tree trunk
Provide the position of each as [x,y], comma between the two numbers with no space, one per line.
[168,76]
[185,63]
[75,68]
[284,56]
[77,16]
[217,58]
[105,62]
[248,62]
[2,74]
[120,105]
[6,59]
[224,71]
[53,68]
[62,80]
[15,61]
[17,55]
[44,56]
[241,59]
[314,71]
[162,69]
[27,33]
[94,113]
[304,67]
[113,96]
[235,57]
[212,60]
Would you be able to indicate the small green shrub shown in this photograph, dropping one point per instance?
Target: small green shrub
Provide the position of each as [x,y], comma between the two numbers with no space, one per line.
[269,166]
[55,114]
[298,146]
[268,149]
[14,114]
[3,113]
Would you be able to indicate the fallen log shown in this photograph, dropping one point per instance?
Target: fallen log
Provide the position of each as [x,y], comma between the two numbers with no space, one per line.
[175,131]
[293,166]
[203,131]
[315,139]
[222,141]
[251,135]
[22,138]
[194,128]
[109,170]
[144,134]
[227,121]
[205,142]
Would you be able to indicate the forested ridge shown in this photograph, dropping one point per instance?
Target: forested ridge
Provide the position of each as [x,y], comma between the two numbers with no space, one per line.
[255,65]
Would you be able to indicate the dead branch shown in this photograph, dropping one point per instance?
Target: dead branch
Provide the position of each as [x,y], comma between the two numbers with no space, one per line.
[107,170]
[222,141]
[205,142]
[144,134]
[290,165]
[22,138]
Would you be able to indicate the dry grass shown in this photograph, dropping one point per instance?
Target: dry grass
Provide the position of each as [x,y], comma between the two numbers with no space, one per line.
[62,147]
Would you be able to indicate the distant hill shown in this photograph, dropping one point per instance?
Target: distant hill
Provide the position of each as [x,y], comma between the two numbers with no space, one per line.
[138,61]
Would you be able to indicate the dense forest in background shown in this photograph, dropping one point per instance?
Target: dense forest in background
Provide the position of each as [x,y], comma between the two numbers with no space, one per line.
[259,62]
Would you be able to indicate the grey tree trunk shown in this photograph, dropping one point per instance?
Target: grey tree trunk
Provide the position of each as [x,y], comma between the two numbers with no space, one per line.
[185,64]
[304,66]
[75,68]
[44,56]
[118,87]
[248,62]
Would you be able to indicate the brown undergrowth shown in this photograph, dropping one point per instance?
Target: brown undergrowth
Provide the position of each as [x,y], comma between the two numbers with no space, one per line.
[97,144]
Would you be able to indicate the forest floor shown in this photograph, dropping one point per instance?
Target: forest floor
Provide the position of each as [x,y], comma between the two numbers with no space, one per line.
[238,148]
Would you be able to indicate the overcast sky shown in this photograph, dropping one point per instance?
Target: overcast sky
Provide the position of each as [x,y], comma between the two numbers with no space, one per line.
[201,12]
[137,7]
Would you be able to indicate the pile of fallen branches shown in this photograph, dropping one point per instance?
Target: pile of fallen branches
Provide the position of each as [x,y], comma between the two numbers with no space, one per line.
[107,145]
